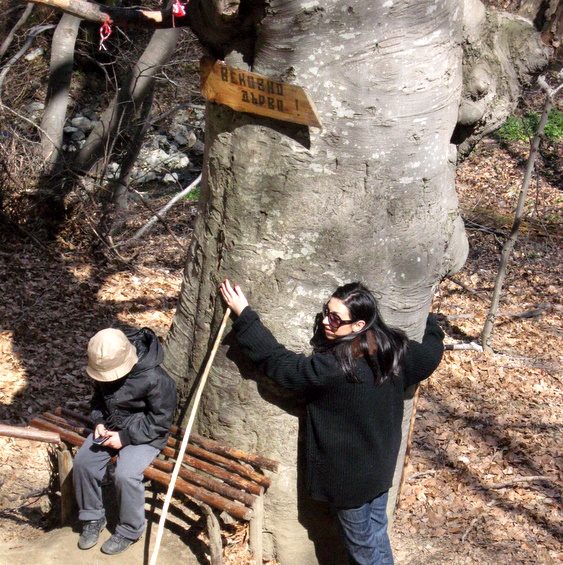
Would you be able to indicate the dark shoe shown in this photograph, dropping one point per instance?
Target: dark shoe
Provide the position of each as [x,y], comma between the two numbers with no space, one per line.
[116,544]
[91,531]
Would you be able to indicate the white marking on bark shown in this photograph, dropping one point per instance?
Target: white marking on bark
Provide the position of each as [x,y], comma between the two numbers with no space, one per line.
[428,38]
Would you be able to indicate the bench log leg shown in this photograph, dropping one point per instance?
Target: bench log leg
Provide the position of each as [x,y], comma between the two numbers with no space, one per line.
[214,534]
[255,528]
[68,500]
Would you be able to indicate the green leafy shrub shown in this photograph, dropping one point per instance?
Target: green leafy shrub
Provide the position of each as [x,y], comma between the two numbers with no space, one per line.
[194,194]
[522,129]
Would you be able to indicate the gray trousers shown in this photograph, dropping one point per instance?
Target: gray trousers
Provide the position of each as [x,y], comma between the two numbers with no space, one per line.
[88,471]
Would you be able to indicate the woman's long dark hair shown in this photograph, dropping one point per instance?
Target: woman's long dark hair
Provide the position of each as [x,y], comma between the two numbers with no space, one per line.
[383,348]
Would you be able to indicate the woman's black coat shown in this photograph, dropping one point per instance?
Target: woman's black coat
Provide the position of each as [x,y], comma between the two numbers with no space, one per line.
[353,429]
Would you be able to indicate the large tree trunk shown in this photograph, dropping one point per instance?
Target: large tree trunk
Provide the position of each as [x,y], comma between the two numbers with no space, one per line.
[291,214]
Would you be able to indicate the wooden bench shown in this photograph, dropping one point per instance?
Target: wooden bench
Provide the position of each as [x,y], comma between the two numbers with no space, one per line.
[213,474]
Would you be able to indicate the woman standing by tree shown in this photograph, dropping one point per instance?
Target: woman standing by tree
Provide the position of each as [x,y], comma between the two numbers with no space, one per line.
[354,387]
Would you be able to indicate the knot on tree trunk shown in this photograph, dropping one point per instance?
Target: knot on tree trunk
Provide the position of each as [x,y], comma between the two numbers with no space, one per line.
[502,52]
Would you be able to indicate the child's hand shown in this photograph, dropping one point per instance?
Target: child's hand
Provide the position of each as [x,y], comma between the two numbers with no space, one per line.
[233,297]
[100,431]
[113,441]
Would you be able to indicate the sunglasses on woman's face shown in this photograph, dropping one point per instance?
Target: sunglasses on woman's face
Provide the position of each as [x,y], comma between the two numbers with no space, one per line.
[334,320]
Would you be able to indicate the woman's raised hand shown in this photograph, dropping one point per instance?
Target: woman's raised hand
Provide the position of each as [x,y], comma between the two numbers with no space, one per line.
[233,297]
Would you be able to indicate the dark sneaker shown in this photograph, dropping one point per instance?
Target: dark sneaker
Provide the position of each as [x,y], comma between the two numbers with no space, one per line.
[116,544]
[91,531]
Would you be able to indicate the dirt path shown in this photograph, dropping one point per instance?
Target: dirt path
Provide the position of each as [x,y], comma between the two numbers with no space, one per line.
[58,547]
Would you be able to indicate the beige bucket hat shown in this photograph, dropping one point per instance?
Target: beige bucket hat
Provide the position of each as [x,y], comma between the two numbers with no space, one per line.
[110,355]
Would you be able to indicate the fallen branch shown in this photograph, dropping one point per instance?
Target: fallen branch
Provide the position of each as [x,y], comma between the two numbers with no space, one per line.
[475,520]
[518,480]
[8,41]
[27,500]
[532,313]
[467,288]
[29,433]
[463,347]
[471,527]
[34,32]
[423,474]
[159,215]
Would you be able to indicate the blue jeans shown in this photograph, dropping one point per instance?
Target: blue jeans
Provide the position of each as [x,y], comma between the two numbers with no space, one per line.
[364,531]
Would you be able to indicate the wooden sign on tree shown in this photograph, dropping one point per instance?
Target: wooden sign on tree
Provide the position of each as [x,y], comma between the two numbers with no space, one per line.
[256,94]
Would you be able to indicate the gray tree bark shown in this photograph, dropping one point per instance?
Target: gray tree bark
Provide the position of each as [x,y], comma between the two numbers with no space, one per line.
[60,75]
[290,214]
[502,53]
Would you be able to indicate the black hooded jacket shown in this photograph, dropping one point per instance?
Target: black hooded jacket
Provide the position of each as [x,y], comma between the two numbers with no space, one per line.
[140,405]
[353,429]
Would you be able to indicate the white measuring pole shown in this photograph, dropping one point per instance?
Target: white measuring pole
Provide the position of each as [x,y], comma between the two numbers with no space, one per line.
[186,437]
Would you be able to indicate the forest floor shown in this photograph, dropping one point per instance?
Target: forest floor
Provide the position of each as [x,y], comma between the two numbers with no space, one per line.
[485,477]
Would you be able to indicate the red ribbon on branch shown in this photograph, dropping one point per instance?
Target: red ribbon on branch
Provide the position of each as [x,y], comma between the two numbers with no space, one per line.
[105,32]
[178,9]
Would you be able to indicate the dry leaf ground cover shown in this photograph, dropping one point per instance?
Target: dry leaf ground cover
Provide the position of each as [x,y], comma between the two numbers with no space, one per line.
[486,474]
[485,477]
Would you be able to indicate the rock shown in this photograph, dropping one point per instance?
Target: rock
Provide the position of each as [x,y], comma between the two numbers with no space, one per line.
[180,139]
[90,114]
[183,135]
[34,107]
[112,170]
[156,158]
[178,161]
[160,142]
[78,135]
[142,177]
[82,123]
[170,177]
[32,55]
[198,147]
